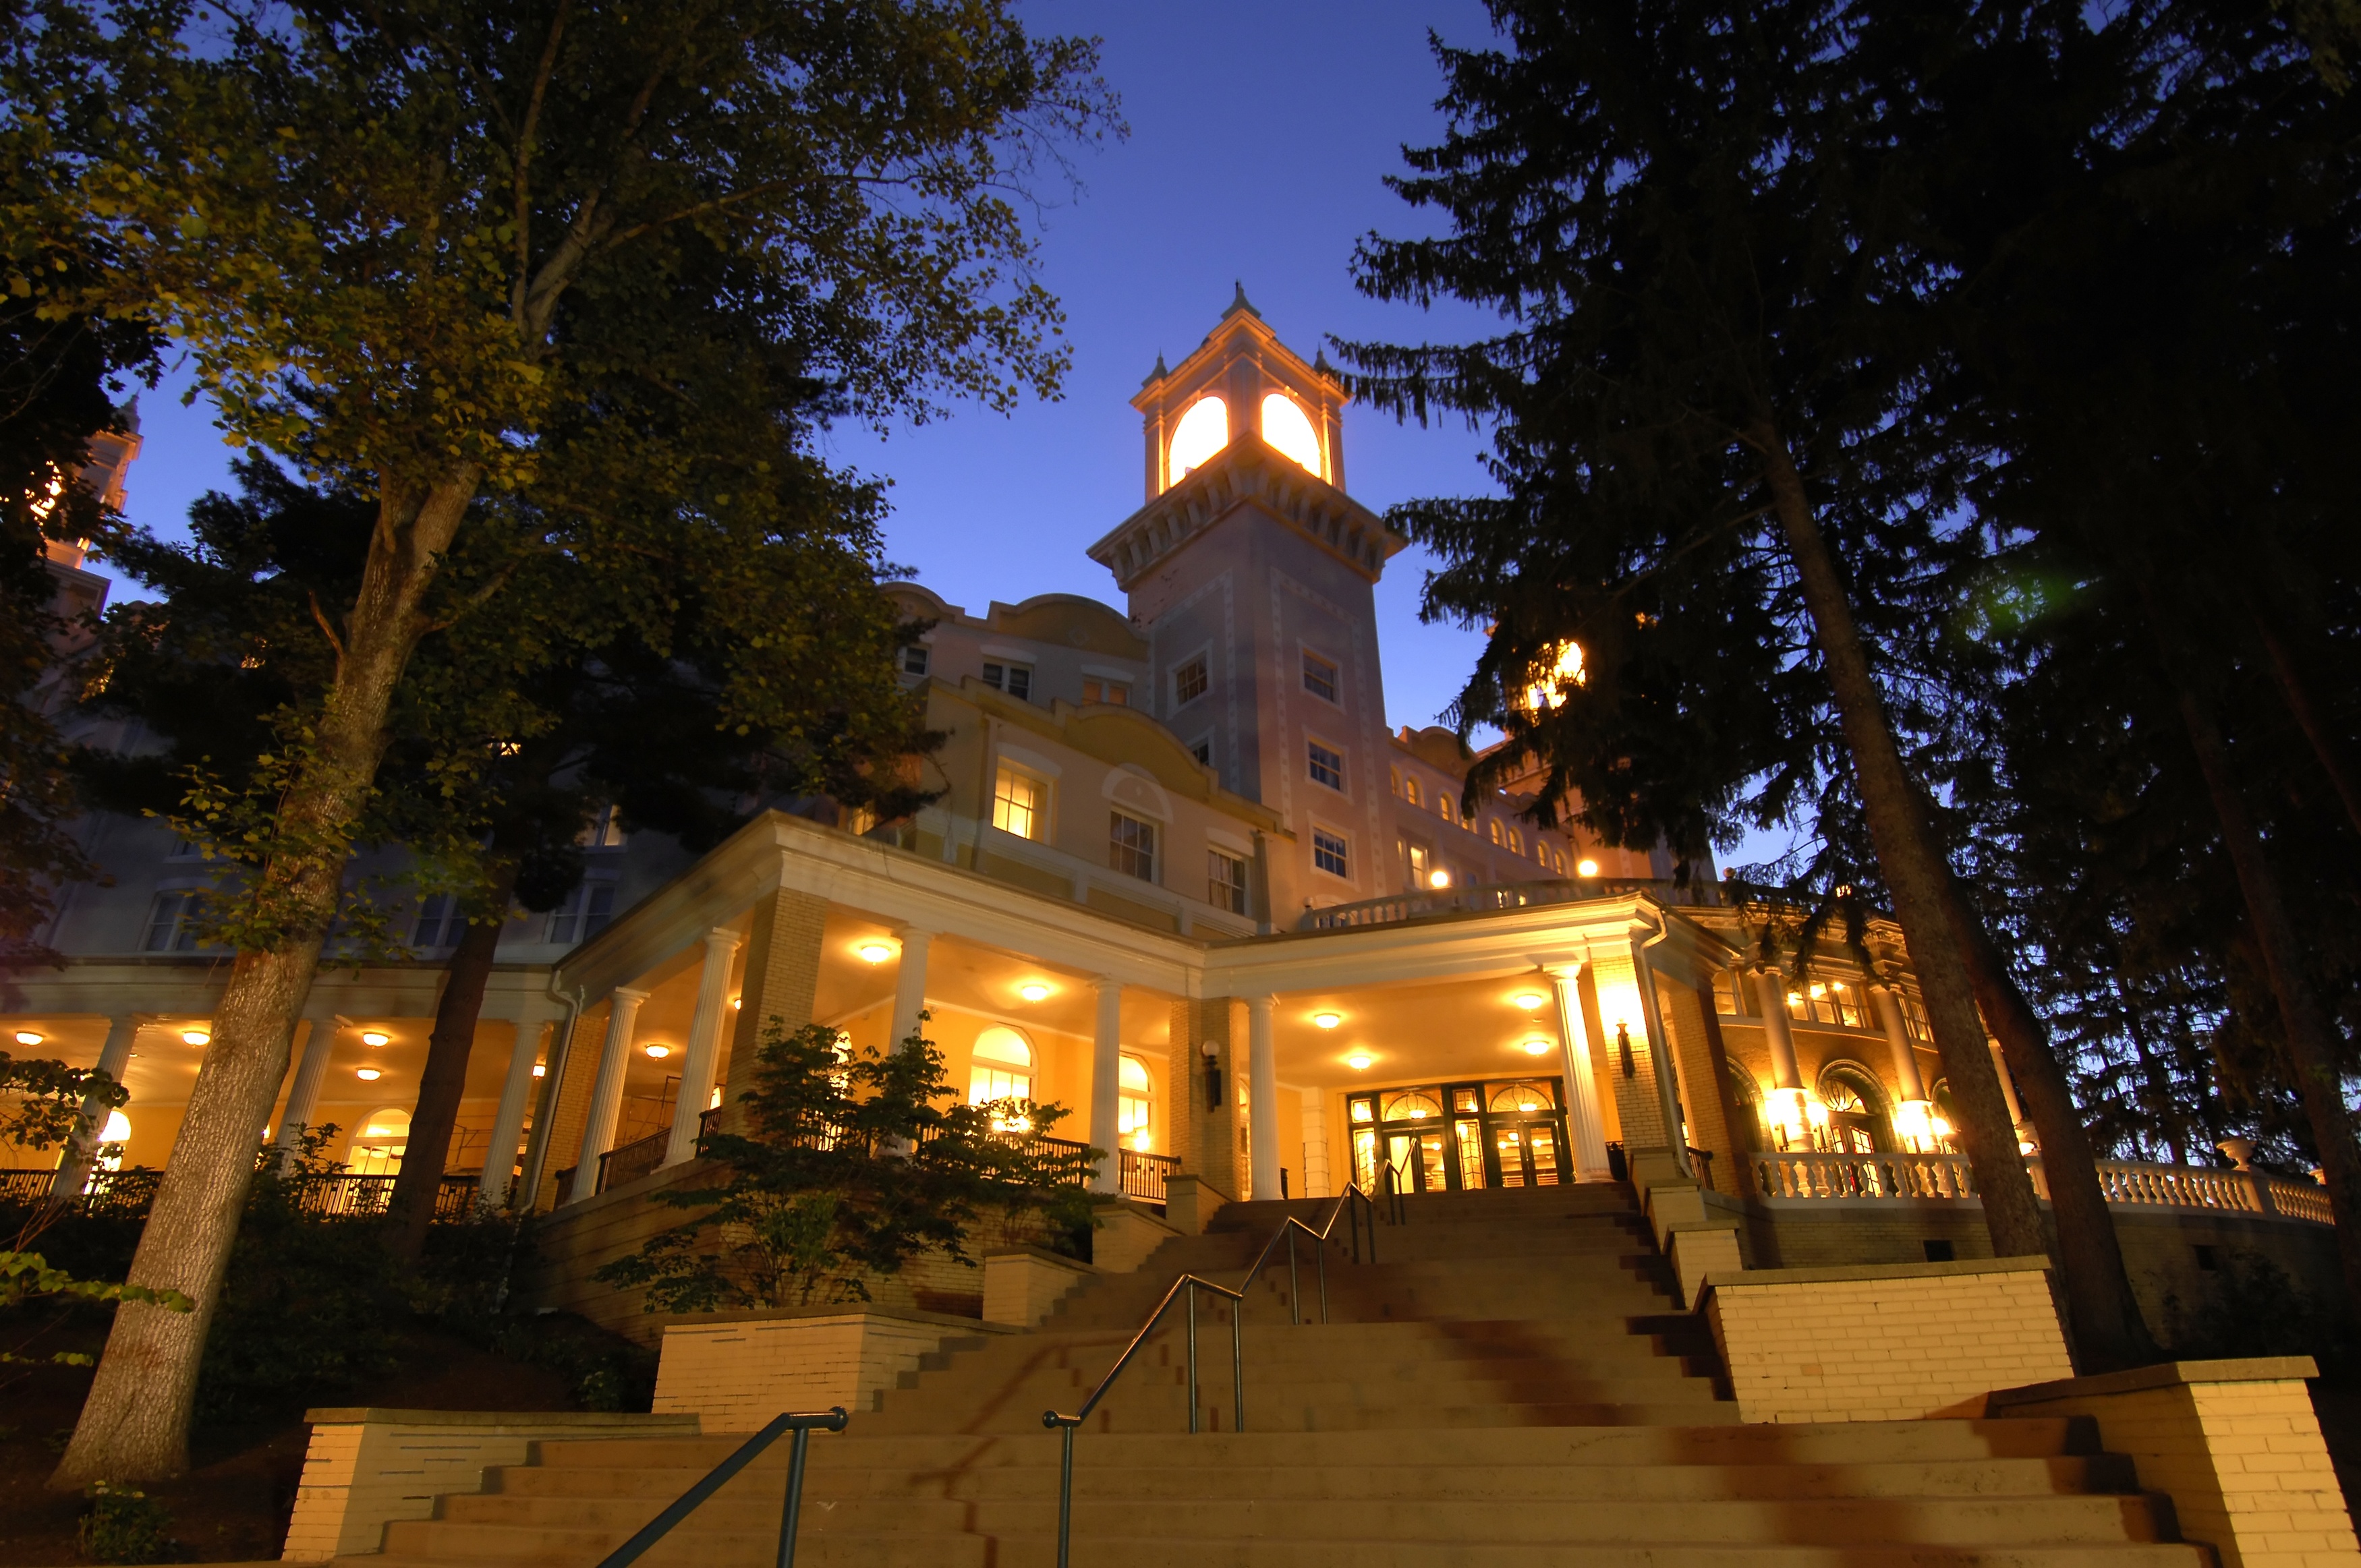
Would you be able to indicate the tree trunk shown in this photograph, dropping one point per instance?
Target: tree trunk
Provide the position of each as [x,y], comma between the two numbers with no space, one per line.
[445,1083]
[2160,1088]
[2298,698]
[2311,1040]
[1915,870]
[135,1424]
[2109,1332]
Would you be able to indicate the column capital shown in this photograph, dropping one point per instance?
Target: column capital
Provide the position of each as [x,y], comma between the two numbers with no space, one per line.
[724,937]
[626,993]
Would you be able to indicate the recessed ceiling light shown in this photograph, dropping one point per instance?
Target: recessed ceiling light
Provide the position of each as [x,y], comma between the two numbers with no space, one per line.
[374,1037]
[1530,1001]
[196,1037]
[659,1052]
[1033,990]
[27,1037]
[1537,1047]
[1327,1020]
[1586,867]
[1359,1061]
[368,1075]
[874,952]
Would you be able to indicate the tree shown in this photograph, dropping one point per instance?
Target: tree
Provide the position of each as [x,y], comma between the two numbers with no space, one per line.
[851,1166]
[402,244]
[1702,222]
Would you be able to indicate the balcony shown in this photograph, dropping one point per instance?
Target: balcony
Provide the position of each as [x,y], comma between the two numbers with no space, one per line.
[2132,1183]
[126,1194]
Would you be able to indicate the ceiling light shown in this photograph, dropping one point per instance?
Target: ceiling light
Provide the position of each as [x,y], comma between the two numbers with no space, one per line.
[874,952]
[1586,867]
[1531,1001]
[1359,1061]
[1438,879]
[27,1037]
[541,1070]
[1537,1047]
[658,1052]
[368,1075]
[374,1037]
[196,1037]
[1327,1020]
[1033,990]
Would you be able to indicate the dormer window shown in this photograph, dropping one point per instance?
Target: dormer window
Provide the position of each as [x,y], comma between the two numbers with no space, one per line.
[1203,431]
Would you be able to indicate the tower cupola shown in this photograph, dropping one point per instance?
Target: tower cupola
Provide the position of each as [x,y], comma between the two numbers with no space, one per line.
[1241,378]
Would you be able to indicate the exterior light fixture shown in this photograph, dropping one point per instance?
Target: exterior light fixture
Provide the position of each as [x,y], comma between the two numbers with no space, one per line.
[736,1003]
[1327,1020]
[1438,879]
[1033,990]
[1537,1046]
[541,1070]
[874,952]
[1359,1061]
[1531,1001]
[657,1052]
[27,1037]
[374,1037]
[368,1075]
[1586,867]
[196,1037]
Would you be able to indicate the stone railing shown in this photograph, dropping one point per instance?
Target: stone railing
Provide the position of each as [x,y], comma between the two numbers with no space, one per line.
[1492,897]
[2130,1182]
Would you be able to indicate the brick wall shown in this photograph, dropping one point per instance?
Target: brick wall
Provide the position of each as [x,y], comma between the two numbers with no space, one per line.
[2233,1444]
[1883,1342]
[570,1107]
[780,979]
[735,1371]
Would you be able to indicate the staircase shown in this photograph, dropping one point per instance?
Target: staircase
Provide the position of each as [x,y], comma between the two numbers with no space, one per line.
[1510,1382]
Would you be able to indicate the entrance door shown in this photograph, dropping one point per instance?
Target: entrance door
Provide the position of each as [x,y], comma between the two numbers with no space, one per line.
[1527,1152]
[1420,1157]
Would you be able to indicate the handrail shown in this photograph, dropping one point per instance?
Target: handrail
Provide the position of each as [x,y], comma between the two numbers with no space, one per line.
[1192,1284]
[1389,1174]
[657,1528]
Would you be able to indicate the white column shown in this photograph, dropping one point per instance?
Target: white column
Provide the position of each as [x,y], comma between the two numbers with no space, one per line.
[1262,1098]
[1586,1128]
[1315,1143]
[910,985]
[2008,1084]
[1785,1104]
[1106,1084]
[704,1044]
[1908,1084]
[516,1093]
[319,1044]
[82,1152]
[607,1093]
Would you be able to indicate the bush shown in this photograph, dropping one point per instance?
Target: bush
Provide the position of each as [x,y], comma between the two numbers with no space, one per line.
[2250,1307]
[121,1525]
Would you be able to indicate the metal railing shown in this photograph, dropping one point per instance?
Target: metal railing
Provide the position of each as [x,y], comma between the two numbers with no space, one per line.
[127,1193]
[1187,1286]
[629,1162]
[801,1424]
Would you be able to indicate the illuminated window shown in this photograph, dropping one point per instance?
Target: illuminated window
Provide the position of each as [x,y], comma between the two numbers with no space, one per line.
[604,830]
[1114,692]
[1203,431]
[1421,863]
[1287,430]
[379,1147]
[1189,682]
[1330,852]
[1516,841]
[1131,846]
[1133,1106]
[1226,882]
[1318,677]
[1002,1068]
[1496,829]
[1020,805]
[1409,789]
[1327,765]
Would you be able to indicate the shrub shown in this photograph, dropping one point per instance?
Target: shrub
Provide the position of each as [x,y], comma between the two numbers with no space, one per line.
[122,1525]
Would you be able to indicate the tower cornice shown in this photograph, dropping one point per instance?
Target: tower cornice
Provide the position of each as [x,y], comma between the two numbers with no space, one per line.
[1246,471]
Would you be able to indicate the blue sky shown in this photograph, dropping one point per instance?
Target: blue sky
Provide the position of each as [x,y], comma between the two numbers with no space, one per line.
[1259,137]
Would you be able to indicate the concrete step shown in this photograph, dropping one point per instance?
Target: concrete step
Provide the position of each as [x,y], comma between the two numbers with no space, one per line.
[822,1549]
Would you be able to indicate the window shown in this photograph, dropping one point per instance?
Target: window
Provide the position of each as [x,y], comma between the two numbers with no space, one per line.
[1203,750]
[583,913]
[439,923]
[1330,852]
[1442,805]
[1016,680]
[1516,841]
[1003,1067]
[1202,431]
[914,659]
[1114,692]
[1020,805]
[171,925]
[1327,766]
[1318,677]
[1495,824]
[1409,789]
[1287,430]
[185,849]
[379,1147]
[1419,862]
[1188,681]
[1133,1098]
[1226,882]
[1557,861]
[1131,846]
[603,831]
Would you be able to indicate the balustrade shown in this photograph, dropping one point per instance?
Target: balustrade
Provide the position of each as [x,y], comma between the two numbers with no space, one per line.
[1815,1174]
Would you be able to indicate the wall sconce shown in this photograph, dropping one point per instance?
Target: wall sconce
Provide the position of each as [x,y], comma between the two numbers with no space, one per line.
[1623,1045]
[1212,1075]
[1586,867]
[1914,1124]
[1789,1115]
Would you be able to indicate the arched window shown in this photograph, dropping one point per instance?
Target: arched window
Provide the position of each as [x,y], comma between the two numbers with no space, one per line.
[1002,1067]
[378,1148]
[1409,788]
[1521,1097]
[1856,1111]
[1287,430]
[1412,1106]
[111,1139]
[1133,1121]
[1203,431]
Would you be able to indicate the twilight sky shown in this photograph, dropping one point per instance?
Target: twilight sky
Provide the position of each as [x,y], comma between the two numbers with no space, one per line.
[1260,134]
